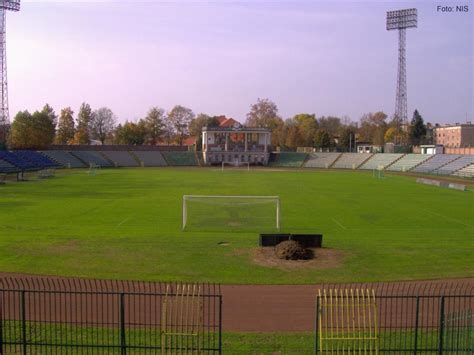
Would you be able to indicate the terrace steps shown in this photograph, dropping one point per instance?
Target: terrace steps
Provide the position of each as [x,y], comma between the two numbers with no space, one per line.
[393,162]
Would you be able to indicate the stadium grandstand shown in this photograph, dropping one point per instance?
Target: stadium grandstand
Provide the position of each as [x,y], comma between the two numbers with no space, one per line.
[150,158]
[288,159]
[64,158]
[91,158]
[321,160]
[380,161]
[455,165]
[116,156]
[408,162]
[351,160]
[438,161]
[121,158]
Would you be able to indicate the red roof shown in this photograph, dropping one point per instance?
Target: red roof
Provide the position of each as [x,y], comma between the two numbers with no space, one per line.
[227,122]
[189,141]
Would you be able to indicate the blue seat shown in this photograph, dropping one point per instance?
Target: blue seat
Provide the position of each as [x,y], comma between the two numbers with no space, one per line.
[21,163]
[36,158]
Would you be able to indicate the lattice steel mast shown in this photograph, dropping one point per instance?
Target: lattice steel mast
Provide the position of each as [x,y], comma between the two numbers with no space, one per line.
[401,20]
[5,5]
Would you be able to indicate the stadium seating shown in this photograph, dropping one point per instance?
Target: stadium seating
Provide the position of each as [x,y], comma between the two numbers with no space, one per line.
[351,160]
[150,158]
[467,171]
[180,158]
[6,167]
[287,159]
[455,165]
[37,158]
[92,158]
[19,162]
[435,163]
[64,158]
[408,162]
[381,160]
[121,158]
[321,160]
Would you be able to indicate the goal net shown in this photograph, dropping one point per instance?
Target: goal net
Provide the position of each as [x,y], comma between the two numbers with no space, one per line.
[231,213]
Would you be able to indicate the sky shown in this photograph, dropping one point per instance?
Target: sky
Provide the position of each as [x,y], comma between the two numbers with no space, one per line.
[219,57]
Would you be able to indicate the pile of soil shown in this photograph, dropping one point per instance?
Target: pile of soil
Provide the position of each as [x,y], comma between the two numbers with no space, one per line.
[292,250]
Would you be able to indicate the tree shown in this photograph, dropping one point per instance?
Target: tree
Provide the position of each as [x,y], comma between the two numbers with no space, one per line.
[154,124]
[84,118]
[263,114]
[322,139]
[391,135]
[44,129]
[21,130]
[131,133]
[347,138]
[373,127]
[330,124]
[196,125]
[34,131]
[102,123]
[417,129]
[293,137]
[180,117]
[307,127]
[51,114]
[65,129]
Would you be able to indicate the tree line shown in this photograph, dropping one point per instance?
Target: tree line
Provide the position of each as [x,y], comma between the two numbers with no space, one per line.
[43,128]
[331,132]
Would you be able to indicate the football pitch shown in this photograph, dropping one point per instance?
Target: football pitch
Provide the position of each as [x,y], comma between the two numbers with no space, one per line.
[126,224]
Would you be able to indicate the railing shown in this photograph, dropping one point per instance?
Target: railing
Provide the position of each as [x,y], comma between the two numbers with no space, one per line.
[137,317]
[430,319]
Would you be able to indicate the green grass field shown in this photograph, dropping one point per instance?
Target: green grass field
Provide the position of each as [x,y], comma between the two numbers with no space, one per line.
[126,224]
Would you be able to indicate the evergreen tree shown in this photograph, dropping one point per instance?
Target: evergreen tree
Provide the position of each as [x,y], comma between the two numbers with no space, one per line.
[417,129]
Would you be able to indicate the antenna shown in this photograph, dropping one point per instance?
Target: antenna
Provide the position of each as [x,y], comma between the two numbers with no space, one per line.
[401,20]
[5,5]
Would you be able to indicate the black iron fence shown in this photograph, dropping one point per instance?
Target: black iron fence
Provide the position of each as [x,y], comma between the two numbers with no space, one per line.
[46,316]
[421,319]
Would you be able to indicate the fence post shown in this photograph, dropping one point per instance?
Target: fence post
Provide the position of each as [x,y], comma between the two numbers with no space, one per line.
[417,318]
[23,322]
[220,324]
[1,323]
[316,326]
[441,326]
[123,349]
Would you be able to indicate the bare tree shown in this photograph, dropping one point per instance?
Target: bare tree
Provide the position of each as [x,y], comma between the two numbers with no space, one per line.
[102,123]
[180,117]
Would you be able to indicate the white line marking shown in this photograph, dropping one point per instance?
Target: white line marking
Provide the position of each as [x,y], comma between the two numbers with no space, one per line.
[450,219]
[339,223]
[125,220]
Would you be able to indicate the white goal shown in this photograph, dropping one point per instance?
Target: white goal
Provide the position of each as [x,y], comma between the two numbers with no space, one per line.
[231,213]
[235,164]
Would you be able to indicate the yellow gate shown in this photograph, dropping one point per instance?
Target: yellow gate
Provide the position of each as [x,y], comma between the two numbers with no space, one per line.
[182,320]
[346,322]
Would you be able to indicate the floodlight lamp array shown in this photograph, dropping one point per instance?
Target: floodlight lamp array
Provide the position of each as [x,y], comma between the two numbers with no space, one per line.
[400,19]
[12,5]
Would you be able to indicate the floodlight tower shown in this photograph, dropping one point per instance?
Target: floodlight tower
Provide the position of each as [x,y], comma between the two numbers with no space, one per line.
[401,20]
[5,5]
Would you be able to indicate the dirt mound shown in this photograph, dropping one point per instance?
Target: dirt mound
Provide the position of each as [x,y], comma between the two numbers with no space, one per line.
[291,250]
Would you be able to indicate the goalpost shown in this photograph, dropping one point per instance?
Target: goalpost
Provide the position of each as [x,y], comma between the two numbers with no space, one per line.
[231,213]
[236,164]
